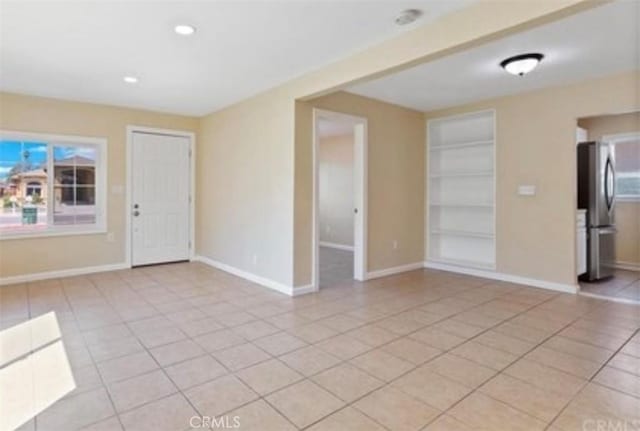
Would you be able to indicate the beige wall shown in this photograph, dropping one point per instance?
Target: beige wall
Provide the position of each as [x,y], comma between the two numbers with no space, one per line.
[40,115]
[251,154]
[264,126]
[336,199]
[244,195]
[602,125]
[627,212]
[396,139]
[535,144]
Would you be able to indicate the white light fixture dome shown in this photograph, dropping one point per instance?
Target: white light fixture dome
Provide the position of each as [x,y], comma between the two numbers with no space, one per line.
[408,16]
[521,64]
[184,29]
[130,79]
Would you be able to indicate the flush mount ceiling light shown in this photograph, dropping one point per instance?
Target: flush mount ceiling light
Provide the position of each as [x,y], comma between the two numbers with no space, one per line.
[184,29]
[521,64]
[130,79]
[408,16]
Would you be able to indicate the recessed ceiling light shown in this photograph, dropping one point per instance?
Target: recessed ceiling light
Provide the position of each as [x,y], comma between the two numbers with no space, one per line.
[184,29]
[521,64]
[130,79]
[408,16]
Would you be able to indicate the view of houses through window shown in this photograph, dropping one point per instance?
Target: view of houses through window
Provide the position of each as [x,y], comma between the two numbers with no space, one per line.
[46,184]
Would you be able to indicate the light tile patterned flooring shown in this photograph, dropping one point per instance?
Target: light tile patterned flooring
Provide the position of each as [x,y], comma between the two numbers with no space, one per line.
[335,267]
[624,285]
[152,347]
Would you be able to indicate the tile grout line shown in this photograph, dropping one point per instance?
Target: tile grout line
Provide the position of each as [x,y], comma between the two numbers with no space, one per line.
[305,377]
[104,386]
[590,380]
[587,381]
[445,351]
[529,351]
[328,302]
[346,361]
[499,372]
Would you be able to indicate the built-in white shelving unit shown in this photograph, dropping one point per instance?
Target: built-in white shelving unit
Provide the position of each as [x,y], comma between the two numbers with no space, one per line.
[461,190]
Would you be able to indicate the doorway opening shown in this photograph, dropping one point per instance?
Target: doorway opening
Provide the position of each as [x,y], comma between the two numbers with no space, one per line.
[339,198]
[608,257]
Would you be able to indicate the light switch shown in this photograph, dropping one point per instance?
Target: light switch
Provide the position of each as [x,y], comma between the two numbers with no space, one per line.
[527,190]
[117,190]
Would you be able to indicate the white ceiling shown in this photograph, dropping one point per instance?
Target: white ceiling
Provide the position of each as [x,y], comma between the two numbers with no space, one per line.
[80,50]
[594,43]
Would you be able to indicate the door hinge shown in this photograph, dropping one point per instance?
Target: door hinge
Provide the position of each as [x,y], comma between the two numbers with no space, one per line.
[189,198]
[189,152]
[189,244]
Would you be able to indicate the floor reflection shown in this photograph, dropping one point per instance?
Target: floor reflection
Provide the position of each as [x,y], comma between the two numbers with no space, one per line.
[34,370]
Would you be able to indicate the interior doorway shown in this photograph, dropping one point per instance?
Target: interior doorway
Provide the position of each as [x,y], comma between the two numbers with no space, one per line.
[620,133]
[339,198]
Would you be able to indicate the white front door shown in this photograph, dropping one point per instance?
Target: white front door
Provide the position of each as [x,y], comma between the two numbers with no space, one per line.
[160,198]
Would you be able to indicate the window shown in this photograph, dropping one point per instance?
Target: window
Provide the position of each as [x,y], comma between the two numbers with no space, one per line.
[51,185]
[627,153]
[34,189]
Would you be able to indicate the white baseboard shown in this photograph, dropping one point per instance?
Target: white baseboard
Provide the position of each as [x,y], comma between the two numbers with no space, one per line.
[37,276]
[395,270]
[336,245]
[629,266]
[549,285]
[263,281]
[303,290]
[610,298]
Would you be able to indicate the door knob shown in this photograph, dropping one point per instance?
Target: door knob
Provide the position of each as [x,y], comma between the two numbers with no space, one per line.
[136,213]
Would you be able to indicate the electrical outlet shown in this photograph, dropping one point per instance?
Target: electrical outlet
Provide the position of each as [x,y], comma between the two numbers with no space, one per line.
[254,259]
[527,190]
[111,237]
[395,244]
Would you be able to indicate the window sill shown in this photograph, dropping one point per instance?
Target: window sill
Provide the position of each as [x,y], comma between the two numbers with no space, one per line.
[53,232]
[627,198]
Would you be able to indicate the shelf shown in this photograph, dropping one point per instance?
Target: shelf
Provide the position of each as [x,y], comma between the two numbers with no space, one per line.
[460,204]
[460,145]
[460,191]
[452,232]
[462,174]
[463,263]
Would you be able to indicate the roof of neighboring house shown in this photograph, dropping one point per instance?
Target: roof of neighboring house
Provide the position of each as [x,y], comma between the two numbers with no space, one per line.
[75,161]
[32,173]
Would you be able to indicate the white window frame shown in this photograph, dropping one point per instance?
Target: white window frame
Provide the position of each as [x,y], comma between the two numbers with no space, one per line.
[620,138]
[100,226]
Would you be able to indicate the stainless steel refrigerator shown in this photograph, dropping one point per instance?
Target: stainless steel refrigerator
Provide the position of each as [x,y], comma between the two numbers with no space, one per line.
[596,194]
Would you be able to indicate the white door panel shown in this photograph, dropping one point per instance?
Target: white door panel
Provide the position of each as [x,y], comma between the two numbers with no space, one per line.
[160,198]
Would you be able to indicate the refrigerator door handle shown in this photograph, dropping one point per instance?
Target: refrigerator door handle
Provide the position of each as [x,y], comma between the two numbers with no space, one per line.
[609,184]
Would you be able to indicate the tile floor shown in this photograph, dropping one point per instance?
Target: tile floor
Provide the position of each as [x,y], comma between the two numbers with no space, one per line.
[624,285]
[158,348]
[335,267]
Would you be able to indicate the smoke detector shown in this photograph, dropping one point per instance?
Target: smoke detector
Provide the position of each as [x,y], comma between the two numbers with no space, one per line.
[408,16]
